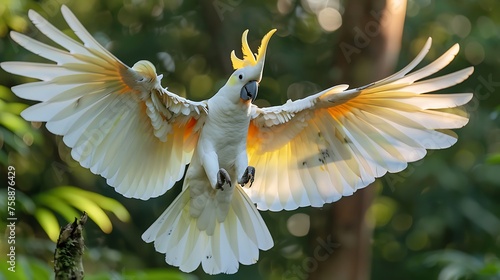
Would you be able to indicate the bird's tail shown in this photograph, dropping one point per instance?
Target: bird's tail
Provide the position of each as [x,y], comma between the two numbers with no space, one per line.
[234,239]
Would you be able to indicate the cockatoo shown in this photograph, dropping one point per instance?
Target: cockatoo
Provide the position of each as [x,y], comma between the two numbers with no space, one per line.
[123,125]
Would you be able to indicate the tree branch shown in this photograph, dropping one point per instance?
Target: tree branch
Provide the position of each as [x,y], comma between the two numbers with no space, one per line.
[69,251]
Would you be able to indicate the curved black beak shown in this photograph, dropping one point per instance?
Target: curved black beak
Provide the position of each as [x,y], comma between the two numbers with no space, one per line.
[249,91]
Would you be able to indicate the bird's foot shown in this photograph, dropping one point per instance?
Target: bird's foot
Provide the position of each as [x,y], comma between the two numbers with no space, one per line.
[248,176]
[222,179]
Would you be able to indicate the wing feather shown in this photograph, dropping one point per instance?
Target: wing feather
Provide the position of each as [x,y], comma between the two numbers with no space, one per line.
[337,141]
[432,67]
[88,41]
[440,82]
[402,73]
[42,49]
[56,35]
[118,121]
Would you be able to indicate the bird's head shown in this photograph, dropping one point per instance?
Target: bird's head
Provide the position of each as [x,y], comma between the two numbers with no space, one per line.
[248,71]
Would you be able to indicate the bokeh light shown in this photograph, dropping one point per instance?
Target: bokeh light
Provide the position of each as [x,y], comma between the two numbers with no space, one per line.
[330,19]
[298,224]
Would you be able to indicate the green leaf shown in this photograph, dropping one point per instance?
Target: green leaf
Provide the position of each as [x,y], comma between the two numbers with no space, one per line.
[16,108]
[493,159]
[65,199]
[13,123]
[49,223]
[83,203]
[58,205]
[6,93]
[491,267]
[104,202]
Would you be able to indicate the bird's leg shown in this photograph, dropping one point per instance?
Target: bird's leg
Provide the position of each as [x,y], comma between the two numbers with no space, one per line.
[248,176]
[222,179]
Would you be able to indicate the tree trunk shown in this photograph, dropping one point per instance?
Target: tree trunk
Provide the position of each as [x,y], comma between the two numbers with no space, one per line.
[369,47]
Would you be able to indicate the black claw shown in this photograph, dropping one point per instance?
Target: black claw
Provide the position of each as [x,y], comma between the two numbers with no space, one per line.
[248,177]
[222,179]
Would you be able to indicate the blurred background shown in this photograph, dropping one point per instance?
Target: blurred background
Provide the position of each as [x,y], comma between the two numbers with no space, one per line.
[438,219]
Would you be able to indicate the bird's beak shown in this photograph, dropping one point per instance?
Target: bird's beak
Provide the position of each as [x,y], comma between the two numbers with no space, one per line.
[249,91]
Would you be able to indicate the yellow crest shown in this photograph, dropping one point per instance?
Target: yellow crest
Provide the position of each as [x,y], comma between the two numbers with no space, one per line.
[249,59]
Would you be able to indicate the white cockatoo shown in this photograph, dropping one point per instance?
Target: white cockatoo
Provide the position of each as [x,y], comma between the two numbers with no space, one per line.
[123,125]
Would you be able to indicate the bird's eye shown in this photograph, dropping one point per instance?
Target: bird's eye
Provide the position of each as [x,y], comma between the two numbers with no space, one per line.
[240,77]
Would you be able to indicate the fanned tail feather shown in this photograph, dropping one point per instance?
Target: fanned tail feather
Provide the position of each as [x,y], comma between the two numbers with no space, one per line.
[237,239]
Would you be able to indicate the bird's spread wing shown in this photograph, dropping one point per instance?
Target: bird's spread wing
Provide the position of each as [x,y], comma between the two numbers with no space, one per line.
[118,121]
[317,149]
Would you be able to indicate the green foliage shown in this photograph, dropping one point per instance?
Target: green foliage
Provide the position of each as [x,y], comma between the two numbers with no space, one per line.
[15,133]
[27,268]
[31,268]
[457,265]
[65,200]
[437,219]
[148,274]
[493,159]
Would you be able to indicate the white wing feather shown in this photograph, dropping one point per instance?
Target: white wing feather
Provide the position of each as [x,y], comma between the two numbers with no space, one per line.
[119,121]
[315,150]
